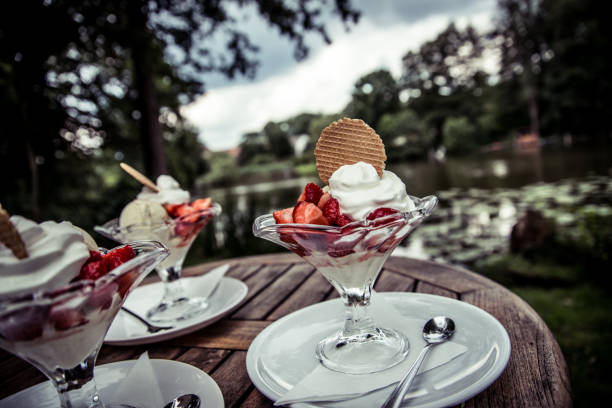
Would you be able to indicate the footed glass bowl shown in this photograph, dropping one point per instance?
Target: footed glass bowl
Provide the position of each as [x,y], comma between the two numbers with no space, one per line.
[177,234]
[351,258]
[60,332]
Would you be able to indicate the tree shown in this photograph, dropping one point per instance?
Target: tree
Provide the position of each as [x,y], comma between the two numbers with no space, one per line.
[442,75]
[444,65]
[404,134]
[373,95]
[101,71]
[523,50]
[278,140]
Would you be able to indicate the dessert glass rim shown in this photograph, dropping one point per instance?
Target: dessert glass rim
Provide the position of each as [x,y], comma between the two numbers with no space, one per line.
[112,226]
[423,207]
[43,297]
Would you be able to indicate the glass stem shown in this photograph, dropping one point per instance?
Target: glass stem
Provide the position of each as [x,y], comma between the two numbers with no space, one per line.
[358,320]
[173,290]
[76,387]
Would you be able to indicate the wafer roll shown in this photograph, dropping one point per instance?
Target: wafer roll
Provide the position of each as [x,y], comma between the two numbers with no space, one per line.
[10,237]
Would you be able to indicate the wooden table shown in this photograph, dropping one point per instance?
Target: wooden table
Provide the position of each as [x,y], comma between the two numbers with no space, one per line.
[536,375]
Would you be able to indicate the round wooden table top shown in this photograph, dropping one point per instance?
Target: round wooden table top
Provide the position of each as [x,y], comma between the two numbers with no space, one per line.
[536,375]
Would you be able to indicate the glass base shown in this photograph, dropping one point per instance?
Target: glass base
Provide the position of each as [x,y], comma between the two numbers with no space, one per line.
[177,310]
[363,353]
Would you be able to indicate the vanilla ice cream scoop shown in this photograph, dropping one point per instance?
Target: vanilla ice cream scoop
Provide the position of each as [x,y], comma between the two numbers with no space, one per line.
[143,213]
[169,192]
[56,252]
[359,190]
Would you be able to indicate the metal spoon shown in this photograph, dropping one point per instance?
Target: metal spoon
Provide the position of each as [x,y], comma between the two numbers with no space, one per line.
[151,328]
[184,401]
[437,330]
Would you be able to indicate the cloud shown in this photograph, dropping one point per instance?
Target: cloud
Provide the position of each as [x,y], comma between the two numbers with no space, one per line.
[323,83]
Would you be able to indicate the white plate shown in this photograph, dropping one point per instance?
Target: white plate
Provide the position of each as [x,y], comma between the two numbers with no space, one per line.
[291,340]
[127,331]
[174,378]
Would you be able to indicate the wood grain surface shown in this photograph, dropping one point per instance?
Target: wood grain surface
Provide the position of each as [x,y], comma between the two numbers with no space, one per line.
[536,375]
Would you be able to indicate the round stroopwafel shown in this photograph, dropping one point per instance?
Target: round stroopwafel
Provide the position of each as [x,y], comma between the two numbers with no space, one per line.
[348,141]
[10,237]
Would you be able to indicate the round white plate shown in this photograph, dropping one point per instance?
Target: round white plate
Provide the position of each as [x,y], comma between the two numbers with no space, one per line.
[291,340]
[174,379]
[127,331]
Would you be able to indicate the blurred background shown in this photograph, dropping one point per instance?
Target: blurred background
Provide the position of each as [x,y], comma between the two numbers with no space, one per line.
[501,108]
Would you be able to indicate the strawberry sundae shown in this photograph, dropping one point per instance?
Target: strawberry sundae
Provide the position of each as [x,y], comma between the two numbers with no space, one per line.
[166,213]
[347,230]
[151,213]
[59,294]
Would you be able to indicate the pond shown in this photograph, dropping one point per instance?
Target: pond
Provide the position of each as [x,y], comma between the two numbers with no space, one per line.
[481,198]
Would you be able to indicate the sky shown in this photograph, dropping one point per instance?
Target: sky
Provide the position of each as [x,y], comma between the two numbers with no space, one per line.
[322,83]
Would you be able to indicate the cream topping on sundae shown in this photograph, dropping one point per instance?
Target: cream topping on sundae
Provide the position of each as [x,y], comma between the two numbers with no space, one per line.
[359,190]
[56,252]
[170,192]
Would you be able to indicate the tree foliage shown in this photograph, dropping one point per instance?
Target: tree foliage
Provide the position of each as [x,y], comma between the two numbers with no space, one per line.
[92,83]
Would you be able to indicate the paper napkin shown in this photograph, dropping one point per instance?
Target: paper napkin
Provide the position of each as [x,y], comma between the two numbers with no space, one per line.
[323,384]
[140,387]
[204,286]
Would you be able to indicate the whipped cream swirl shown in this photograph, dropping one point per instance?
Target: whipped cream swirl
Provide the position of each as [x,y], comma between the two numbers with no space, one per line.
[56,253]
[359,190]
[169,192]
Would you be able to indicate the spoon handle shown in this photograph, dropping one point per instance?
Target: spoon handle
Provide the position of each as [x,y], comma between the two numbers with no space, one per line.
[396,397]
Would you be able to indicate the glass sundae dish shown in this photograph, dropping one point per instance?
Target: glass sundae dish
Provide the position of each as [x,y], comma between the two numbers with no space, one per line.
[169,217]
[347,231]
[58,302]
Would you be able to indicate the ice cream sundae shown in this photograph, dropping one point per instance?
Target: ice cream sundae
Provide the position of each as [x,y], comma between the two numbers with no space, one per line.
[164,212]
[347,230]
[59,294]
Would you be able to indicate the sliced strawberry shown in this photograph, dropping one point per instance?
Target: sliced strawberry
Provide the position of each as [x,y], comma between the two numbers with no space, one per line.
[94,256]
[331,210]
[340,252]
[93,270]
[284,216]
[185,209]
[24,324]
[312,193]
[202,204]
[124,253]
[323,200]
[308,213]
[172,208]
[381,212]
[343,219]
[64,318]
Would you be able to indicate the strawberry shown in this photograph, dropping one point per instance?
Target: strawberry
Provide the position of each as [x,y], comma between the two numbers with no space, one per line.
[93,270]
[331,210]
[312,193]
[172,208]
[94,256]
[118,256]
[202,204]
[185,209]
[124,253]
[308,213]
[381,212]
[65,318]
[24,324]
[284,216]
[343,220]
[323,200]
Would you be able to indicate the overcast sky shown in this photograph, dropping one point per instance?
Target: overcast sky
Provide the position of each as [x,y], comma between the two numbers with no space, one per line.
[323,82]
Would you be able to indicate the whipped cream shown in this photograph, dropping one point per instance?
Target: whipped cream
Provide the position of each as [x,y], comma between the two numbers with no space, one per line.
[359,190]
[169,192]
[56,252]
